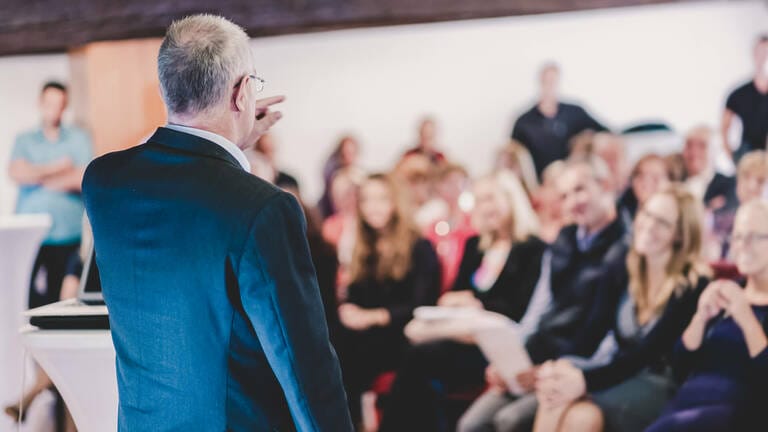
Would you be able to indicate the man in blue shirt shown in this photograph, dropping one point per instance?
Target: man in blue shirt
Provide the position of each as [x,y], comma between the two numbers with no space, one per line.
[47,163]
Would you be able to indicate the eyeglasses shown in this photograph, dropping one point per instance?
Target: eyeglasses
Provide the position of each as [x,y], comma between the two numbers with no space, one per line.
[747,239]
[656,219]
[257,81]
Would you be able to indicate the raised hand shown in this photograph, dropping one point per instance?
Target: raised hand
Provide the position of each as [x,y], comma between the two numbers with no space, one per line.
[265,118]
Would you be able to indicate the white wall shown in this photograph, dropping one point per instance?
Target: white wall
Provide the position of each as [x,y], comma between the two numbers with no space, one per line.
[21,78]
[675,62]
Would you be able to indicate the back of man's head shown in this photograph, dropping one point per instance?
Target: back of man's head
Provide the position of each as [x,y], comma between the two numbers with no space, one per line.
[200,58]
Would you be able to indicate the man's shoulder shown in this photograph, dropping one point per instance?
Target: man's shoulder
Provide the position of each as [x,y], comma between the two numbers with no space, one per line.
[745,88]
[737,96]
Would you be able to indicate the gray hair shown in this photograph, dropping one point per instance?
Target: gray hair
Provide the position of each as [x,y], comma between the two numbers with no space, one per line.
[199,59]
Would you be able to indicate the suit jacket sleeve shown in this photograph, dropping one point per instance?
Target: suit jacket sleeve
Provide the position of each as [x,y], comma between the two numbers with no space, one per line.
[279,292]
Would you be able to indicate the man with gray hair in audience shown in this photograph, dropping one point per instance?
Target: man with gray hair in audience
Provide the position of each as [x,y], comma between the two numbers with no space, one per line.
[214,307]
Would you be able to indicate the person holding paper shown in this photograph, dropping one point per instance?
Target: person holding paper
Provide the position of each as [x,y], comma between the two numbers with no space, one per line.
[567,305]
[497,274]
[664,276]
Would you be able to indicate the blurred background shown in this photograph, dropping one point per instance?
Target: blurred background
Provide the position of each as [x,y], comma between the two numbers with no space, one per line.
[375,68]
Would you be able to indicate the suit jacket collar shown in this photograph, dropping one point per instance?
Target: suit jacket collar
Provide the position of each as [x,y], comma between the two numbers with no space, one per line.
[189,143]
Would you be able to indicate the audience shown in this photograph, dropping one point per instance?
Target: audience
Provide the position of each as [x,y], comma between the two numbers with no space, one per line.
[650,174]
[427,143]
[48,163]
[568,305]
[658,291]
[749,103]
[340,229]
[546,201]
[751,179]
[716,190]
[393,271]
[415,173]
[452,228]
[516,158]
[542,241]
[546,128]
[344,156]
[498,273]
[725,347]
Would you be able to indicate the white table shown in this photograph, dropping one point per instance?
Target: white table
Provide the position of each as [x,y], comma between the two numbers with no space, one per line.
[81,364]
[20,238]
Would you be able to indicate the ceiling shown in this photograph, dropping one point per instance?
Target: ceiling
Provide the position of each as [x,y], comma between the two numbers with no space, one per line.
[31,26]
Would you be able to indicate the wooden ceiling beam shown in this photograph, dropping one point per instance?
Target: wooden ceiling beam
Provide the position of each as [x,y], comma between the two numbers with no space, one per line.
[33,26]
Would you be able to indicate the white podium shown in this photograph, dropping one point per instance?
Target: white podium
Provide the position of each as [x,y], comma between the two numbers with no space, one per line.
[81,364]
[20,238]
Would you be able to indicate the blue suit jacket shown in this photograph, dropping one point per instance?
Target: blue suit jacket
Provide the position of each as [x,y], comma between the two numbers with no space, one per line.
[214,306]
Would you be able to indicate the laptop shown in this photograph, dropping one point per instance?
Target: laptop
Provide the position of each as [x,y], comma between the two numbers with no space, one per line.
[86,312]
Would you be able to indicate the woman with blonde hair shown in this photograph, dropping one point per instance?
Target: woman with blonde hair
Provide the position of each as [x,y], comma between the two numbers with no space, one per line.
[393,270]
[497,274]
[664,276]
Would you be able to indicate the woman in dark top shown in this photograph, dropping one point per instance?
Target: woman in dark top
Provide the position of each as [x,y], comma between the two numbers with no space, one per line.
[628,390]
[725,347]
[393,271]
[498,273]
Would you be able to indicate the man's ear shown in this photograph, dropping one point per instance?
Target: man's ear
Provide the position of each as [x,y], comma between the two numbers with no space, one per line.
[240,96]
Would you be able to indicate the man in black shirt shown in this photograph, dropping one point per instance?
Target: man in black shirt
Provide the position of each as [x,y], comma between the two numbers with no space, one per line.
[750,103]
[547,127]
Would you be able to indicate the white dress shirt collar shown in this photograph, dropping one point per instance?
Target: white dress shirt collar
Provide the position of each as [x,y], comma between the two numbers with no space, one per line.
[228,145]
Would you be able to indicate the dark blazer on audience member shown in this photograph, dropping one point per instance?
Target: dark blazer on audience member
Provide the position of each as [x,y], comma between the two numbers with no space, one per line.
[510,294]
[214,306]
[579,307]
[419,287]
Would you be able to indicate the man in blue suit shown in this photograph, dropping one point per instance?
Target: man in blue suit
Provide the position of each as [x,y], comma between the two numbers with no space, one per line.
[214,306]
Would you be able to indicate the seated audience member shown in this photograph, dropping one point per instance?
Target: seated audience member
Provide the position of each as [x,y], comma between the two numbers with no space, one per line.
[546,201]
[676,164]
[427,143]
[498,273]
[344,156]
[716,190]
[568,305]
[516,158]
[751,179]
[266,147]
[608,147]
[450,231]
[724,349]
[650,174]
[658,290]
[340,229]
[393,271]
[415,174]
[546,128]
